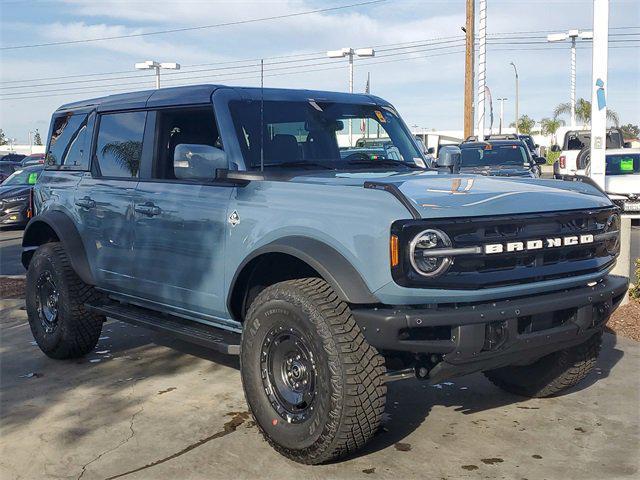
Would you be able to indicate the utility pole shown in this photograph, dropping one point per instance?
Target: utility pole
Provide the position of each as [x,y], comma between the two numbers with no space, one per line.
[153,65]
[501,100]
[599,90]
[468,69]
[482,67]
[572,35]
[515,69]
[349,53]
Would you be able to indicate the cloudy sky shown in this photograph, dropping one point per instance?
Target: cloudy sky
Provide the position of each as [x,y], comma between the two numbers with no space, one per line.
[419,64]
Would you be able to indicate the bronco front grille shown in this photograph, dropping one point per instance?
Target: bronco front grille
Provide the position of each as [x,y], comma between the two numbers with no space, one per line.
[484,270]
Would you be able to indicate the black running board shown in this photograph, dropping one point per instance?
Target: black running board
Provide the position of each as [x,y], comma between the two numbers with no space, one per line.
[205,335]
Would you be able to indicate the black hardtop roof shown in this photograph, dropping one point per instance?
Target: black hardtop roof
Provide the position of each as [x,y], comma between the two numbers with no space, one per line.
[199,94]
[491,142]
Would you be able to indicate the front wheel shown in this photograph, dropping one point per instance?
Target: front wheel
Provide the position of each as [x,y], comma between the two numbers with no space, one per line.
[314,385]
[551,374]
[56,297]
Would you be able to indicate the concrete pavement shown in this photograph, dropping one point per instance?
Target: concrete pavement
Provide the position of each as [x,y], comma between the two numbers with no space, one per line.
[10,250]
[143,406]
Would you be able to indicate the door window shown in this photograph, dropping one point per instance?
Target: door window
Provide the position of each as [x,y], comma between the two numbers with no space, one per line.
[119,145]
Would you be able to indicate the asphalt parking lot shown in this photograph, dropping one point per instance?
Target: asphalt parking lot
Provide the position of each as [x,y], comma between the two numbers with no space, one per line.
[143,406]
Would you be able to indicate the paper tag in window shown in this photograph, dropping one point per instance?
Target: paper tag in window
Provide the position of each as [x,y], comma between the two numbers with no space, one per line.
[380,116]
[419,162]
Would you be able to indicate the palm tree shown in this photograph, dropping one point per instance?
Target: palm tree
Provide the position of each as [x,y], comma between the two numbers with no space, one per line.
[583,112]
[550,126]
[127,154]
[525,124]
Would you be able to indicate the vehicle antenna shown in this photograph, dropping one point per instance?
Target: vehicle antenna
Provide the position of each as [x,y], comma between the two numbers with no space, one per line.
[262,114]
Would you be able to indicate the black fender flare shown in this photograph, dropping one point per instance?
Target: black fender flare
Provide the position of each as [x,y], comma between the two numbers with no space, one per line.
[332,266]
[66,231]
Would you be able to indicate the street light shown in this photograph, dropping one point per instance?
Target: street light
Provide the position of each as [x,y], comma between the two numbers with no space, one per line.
[501,100]
[517,94]
[349,53]
[152,65]
[572,35]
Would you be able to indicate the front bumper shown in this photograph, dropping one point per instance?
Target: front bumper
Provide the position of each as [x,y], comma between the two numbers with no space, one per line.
[481,336]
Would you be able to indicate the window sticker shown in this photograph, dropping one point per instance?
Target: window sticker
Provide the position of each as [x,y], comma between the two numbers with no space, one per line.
[32,179]
[626,164]
[380,116]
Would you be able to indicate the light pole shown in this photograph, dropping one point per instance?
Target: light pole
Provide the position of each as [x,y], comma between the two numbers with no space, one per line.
[501,100]
[515,69]
[482,67]
[572,35]
[153,65]
[349,53]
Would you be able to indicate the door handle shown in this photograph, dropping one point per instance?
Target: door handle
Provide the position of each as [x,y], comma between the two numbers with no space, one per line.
[148,209]
[85,202]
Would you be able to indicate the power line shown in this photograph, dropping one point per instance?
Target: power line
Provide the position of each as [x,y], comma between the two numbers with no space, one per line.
[337,67]
[189,29]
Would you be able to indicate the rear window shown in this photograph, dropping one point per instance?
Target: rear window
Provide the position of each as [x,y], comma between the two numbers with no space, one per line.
[624,164]
[68,145]
[119,144]
[490,155]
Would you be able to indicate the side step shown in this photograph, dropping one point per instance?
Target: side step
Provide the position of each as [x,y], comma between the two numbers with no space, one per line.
[191,331]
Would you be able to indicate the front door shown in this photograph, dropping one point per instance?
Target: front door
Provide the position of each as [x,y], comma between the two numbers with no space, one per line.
[180,223]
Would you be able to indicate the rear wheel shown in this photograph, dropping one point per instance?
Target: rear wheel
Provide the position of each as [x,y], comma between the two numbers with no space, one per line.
[55,298]
[314,385]
[551,374]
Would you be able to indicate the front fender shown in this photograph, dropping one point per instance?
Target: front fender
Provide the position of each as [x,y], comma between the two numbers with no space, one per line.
[38,232]
[334,268]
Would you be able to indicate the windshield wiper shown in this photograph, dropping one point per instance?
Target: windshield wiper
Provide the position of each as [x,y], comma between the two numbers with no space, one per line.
[300,164]
[384,162]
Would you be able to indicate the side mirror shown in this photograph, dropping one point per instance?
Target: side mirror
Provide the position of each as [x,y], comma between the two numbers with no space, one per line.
[450,156]
[555,148]
[626,145]
[540,160]
[431,150]
[535,145]
[197,162]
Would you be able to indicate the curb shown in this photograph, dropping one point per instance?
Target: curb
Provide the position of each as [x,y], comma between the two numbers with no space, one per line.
[14,277]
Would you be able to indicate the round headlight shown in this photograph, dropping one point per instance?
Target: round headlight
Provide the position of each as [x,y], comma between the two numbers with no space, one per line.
[425,264]
[612,226]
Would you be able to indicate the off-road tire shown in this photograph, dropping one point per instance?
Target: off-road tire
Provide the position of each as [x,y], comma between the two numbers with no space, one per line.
[351,393]
[551,374]
[77,330]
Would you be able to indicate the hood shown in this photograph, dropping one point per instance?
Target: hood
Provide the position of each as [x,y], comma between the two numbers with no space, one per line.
[10,191]
[444,195]
[498,171]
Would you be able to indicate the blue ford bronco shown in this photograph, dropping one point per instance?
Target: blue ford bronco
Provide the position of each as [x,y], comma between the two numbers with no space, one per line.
[253,221]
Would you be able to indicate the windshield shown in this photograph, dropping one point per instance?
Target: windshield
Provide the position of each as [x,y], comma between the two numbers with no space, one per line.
[624,164]
[322,135]
[23,177]
[491,156]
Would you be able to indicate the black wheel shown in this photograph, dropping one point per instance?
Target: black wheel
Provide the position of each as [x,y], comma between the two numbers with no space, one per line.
[551,374]
[314,385]
[55,298]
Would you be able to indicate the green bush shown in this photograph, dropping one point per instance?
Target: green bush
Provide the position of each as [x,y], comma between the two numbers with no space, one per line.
[552,157]
[634,292]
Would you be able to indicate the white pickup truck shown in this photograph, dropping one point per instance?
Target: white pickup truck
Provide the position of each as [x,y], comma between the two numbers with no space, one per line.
[575,149]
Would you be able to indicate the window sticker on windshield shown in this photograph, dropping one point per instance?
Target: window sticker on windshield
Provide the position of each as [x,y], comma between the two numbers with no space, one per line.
[626,164]
[380,116]
[33,177]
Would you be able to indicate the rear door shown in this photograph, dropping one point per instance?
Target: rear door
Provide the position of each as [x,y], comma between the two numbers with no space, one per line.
[180,223]
[104,198]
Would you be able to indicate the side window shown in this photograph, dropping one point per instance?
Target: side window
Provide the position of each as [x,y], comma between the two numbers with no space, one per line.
[68,142]
[189,145]
[119,144]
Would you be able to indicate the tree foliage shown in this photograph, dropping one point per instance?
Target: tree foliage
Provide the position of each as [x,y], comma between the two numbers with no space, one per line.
[127,154]
[550,126]
[583,112]
[630,131]
[525,124]
[3,138]
[37,139]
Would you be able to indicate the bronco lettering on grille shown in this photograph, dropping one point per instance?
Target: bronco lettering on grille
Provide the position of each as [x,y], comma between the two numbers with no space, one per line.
[537,244]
